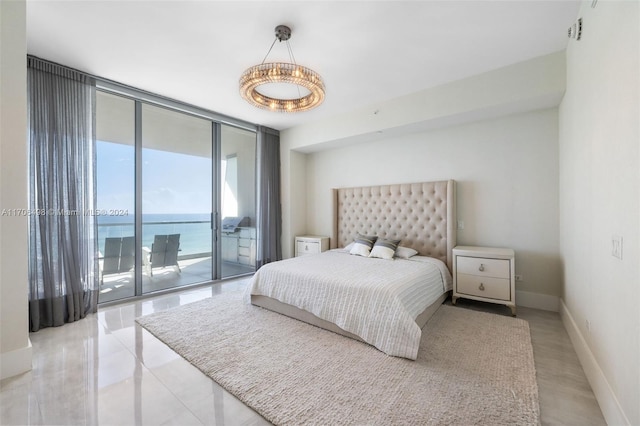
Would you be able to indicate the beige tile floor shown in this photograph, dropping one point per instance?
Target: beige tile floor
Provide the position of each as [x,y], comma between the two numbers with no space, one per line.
[107,370]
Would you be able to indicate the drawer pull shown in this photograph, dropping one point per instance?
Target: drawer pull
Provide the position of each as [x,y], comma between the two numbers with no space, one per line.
[481,287]
[306,247]
[481,268]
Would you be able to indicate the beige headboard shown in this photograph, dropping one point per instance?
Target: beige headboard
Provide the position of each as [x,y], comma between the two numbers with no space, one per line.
[422,215]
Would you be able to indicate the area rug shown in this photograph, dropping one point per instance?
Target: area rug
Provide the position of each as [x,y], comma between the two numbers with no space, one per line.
[472,367]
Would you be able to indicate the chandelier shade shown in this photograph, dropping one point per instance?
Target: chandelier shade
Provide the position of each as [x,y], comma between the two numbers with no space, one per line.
[282,73]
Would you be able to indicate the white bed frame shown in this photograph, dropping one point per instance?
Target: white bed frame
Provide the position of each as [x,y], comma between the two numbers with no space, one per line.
[421,215]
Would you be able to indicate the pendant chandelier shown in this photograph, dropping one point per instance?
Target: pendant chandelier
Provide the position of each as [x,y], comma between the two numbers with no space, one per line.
[282,73]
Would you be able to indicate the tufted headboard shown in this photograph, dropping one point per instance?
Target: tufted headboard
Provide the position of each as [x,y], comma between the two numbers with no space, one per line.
[422,215]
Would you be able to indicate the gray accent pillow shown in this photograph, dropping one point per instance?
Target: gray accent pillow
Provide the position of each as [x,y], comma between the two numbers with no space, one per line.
[384,248]
[363,244]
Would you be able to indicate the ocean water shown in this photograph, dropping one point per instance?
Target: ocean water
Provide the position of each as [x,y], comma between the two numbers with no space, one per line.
[194,230]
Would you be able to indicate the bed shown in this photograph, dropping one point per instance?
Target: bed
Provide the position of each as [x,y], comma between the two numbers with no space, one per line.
[382,302]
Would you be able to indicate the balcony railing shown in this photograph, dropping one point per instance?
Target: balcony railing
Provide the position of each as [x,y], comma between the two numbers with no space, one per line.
[195,235]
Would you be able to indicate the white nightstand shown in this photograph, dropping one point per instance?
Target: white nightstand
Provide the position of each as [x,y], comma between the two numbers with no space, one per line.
[486,274]
[311,244]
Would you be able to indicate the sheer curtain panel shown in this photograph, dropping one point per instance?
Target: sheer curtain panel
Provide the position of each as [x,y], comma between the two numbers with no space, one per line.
[269,212]
[63,265]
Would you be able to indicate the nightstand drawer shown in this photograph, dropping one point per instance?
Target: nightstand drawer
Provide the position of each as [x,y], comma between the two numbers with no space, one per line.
[493,288]
[497,268]
[306,247]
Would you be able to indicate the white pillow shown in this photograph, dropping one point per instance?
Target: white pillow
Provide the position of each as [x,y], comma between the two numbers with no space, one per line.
[384,248]
[405,252]
[362,245]
[350,246]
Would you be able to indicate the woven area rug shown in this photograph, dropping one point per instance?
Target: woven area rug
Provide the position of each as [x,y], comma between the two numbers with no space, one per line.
[472,367]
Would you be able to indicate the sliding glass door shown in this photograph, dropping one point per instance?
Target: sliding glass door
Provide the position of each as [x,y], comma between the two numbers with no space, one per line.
[238,201]
[178,194]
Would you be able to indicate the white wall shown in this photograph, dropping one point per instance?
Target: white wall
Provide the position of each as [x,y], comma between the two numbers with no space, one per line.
[293,195]
[534,84]
[507,194]
[15,347]
[599,193]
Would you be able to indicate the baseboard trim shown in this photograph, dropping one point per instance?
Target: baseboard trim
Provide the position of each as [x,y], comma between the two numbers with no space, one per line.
[609,404]
[16,362]
[545,302]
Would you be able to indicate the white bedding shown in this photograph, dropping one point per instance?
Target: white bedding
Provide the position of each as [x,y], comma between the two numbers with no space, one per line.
[375,299]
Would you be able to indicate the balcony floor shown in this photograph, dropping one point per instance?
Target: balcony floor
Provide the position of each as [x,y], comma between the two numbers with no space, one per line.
[193,271]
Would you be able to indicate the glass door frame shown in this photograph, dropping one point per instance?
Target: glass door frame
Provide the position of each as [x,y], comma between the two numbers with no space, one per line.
[215,198]
[149,114]
[216,267]
[138,199]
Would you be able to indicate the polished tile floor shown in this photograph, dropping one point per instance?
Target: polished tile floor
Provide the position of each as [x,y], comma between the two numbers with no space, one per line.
[108,370]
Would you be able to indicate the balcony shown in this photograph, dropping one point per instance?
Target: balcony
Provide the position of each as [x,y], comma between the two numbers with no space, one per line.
[194,262]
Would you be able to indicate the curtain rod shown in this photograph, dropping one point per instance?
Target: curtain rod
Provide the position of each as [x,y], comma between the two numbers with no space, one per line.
[149,97]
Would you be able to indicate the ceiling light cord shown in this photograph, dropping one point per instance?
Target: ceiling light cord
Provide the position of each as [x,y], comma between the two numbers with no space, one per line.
[293,59]
[272,44]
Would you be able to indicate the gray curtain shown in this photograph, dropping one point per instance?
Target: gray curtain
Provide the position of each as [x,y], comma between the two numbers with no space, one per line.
[63,260]
[269,212]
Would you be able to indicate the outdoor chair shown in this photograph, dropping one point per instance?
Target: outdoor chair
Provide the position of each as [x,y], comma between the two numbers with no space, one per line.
[164,252]
[119,256]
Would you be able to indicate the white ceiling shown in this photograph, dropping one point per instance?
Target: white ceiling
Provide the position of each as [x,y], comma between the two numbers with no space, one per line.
[366,51]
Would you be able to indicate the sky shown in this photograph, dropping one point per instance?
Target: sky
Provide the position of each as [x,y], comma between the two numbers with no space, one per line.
[171,183]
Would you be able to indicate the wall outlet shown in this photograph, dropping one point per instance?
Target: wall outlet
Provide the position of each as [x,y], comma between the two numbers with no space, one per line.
[616,246]
[461,224]
[588,324]
[518,277]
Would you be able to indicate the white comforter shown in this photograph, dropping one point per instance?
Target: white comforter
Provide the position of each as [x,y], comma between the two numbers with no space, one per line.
[375,299]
